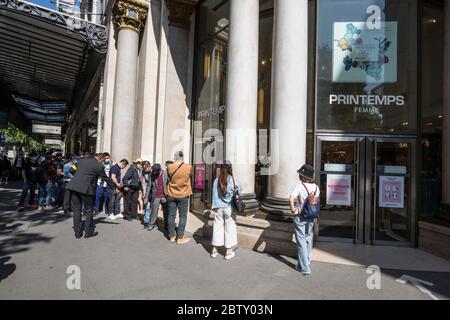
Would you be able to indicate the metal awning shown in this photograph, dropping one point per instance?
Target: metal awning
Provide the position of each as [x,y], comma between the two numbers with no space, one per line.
[45,57]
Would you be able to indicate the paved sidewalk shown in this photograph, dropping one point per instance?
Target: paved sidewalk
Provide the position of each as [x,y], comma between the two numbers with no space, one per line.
[127,262]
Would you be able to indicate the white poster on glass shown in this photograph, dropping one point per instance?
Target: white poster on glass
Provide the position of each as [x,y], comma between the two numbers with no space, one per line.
[392,192]
[362,55]
[339,189]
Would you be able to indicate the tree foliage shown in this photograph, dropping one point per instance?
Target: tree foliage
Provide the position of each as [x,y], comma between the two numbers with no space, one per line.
[17,137]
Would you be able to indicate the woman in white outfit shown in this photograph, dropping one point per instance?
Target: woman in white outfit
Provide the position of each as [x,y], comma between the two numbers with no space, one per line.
[224,228]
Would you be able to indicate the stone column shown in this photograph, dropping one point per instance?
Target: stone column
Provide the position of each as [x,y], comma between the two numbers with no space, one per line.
[242,95]
[289,101]
[177,107]
[446,115]
[130,18]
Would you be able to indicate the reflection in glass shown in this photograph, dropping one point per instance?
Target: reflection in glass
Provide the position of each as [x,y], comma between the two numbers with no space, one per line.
[393,181]
[337,220]
[366,67]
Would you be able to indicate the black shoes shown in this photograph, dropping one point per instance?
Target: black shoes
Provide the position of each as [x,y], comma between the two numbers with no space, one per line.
[90,235]
[79,236]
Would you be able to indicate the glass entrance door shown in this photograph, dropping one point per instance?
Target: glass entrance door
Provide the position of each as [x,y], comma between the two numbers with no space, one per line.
[367,189]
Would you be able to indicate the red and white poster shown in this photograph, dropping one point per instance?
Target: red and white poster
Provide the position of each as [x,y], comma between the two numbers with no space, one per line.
[392,192]
[339,189]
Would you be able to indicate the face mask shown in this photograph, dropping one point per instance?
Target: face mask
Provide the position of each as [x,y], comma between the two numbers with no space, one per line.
[107,162]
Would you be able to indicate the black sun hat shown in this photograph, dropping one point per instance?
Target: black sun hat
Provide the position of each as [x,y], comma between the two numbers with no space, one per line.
[306,171]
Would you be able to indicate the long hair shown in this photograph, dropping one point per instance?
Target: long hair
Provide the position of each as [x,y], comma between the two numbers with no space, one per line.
[225,171]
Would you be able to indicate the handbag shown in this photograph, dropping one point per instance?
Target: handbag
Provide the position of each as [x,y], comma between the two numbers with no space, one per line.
[238,204]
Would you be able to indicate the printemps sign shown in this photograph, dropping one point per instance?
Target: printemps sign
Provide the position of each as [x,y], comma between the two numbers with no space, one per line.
[365,71]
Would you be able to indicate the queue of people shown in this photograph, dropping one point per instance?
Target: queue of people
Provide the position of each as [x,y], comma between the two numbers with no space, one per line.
[88,184]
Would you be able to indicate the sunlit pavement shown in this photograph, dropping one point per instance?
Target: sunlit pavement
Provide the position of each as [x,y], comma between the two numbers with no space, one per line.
[39,257]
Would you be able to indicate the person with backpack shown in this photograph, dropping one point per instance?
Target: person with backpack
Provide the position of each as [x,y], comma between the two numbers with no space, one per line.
[156,196]
[29,183]
[225,187]
[131,186]
[42,180]
[306,193]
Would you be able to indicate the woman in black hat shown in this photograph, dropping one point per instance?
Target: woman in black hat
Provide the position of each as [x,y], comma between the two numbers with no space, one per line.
[303,192]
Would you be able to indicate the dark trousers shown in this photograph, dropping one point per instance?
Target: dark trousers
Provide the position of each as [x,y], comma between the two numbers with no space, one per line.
[113,202]
[67,199]
[27,186]
[77,199]
[131,203]
[59,193]
[182,205]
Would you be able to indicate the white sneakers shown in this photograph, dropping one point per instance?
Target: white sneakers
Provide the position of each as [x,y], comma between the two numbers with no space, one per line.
[113,217]
[215,253]
[230,255]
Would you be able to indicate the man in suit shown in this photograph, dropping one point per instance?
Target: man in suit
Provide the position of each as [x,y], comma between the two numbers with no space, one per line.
[82,190]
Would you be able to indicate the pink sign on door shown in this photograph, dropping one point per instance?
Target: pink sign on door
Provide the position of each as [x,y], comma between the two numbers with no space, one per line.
[339,189]
[199,180]
[392,194]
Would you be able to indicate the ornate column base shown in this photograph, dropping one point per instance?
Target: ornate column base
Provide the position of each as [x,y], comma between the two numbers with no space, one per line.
[251,205]
[277,209]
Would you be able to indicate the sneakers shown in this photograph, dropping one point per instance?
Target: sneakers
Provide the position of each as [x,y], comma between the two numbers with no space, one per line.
[112,217]
[214,253]
[40,209]
[230,255]
[20,208]
[172,239]
[183,240]
[119,216]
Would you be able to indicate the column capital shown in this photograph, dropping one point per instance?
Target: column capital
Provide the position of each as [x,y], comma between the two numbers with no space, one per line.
[130,14]
[180,12]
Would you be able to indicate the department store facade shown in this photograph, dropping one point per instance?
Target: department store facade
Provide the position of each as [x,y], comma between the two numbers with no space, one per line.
[355,88]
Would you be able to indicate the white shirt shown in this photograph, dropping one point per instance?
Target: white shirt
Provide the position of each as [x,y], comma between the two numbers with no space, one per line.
[300,193]
[107,169]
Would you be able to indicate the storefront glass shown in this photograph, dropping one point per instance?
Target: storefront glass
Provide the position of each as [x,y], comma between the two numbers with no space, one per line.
[367,66]
[210,92]
[210,89]
[431,106]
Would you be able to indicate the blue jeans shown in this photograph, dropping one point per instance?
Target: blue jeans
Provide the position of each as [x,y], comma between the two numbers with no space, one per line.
[182,205]
[303,237]
[27,186]
[46,193]
[148,212]
[98,197]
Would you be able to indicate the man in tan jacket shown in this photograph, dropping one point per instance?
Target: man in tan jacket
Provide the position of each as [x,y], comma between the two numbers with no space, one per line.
[179,189]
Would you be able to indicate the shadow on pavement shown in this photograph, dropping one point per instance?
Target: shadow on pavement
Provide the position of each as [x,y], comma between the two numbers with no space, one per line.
[15,236]
[6,269]
[440,280]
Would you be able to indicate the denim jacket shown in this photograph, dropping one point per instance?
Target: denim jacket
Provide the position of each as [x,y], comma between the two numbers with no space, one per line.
[218,199]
